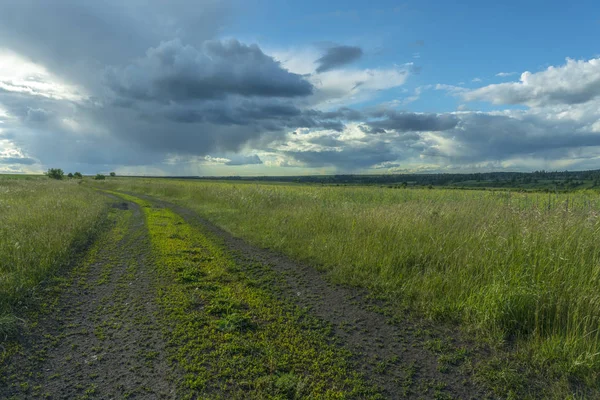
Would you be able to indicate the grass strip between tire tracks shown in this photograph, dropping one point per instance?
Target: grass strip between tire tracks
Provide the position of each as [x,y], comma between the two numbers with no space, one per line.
[229,332]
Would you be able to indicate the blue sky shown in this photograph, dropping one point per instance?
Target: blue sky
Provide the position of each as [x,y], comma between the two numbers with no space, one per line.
[266,87]
[454,41]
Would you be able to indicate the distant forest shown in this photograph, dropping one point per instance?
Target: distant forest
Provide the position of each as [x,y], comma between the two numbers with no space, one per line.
[537,180]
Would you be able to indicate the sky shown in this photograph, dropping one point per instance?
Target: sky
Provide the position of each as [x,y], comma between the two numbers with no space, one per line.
[266,87]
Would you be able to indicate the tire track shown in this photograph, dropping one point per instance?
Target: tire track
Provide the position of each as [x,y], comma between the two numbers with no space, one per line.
[406,359]
[103,338]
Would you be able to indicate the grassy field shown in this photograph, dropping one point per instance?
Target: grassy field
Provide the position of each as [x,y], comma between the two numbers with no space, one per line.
[519,270]
[42,225]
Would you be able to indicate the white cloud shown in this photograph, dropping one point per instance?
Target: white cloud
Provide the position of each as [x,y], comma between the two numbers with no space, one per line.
[297,60]
[3,115]
[576,82]
[72,125]
[177,159]
[345,87]
[505,74]
[14,160]
[22,76]
[340,87]
[410,99]
[450,88]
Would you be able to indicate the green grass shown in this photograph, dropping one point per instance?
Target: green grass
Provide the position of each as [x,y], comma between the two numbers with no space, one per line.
[42,224]
[21,177]
[231,336]
[517,269]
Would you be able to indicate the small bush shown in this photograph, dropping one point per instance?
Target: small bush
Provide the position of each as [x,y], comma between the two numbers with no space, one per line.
[55,173]
[113,174]
[99,177]
[78,175]
[70,175]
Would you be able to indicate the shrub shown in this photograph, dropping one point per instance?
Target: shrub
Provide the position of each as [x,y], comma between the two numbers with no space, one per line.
[78,175]
[55,173]
[113,174]
[70,175]
[99,177]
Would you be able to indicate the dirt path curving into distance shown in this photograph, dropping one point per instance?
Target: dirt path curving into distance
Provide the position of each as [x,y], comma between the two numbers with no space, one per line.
[407,359]
[103,338]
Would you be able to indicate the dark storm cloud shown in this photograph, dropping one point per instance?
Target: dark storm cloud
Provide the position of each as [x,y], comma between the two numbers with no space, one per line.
[327,141]
[17,160]
[349,159]
[344,113]
[496,137]
[76,38]
[332,125]
[245,160]
[154,82]
[338,56]
[268,115]
[146,132]
[38,115]
[405,122]
[233,112]
[177,72]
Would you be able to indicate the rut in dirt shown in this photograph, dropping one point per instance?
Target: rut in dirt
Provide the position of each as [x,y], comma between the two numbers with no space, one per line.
[398,357]
[103,339]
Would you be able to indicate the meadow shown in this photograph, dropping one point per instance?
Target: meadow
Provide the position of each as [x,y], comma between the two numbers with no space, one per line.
[518,270]
[43,224]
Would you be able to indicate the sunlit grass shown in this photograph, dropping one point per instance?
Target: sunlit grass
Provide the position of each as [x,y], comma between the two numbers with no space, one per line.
[42,224]
[510,266]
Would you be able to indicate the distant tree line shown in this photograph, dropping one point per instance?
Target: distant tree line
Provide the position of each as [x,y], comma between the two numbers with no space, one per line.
[58,173]
[538,179]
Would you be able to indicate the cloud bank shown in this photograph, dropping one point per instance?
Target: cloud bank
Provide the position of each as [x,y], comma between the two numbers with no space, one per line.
[155,87]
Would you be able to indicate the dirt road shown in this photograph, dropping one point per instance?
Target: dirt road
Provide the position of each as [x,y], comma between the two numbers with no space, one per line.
[103,336]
